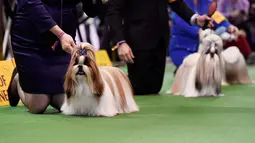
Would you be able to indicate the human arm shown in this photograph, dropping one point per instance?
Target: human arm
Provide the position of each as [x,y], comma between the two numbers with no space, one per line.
[115,19]
[38,14]
[182,9]
[115,22]
[220,20]
[188,15]
[180,24]
[67,42]
[44,22]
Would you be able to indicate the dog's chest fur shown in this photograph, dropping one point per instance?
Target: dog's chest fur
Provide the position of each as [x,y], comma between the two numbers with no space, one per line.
[84,101]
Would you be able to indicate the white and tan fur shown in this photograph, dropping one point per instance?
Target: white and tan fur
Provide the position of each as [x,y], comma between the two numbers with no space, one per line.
[235,67]
[201,74]
[203,35]
[96,91]
[235,70]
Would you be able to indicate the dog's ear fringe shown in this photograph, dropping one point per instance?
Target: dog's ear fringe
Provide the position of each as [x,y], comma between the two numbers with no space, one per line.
[98,85]
[69,83]
[208,72]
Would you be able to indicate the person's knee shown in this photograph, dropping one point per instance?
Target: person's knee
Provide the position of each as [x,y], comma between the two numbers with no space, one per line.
[37,104]
[34,109]
[57,101]
[146,87]
[145,91]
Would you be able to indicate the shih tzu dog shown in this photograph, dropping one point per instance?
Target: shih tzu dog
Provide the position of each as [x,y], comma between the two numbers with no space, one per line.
[234,63]
[202,36]
[96,91]
[235,67]
[201,73]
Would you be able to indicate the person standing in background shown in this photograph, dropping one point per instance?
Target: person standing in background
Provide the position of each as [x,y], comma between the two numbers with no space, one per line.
[140,30]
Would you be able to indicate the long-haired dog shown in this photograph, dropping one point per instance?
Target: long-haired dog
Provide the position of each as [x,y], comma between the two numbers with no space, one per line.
[201,73]
[235,67]
[202,36]
[96,91]
[235,71]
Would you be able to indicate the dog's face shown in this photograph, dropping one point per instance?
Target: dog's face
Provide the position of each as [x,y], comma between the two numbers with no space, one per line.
[212,46]
[83,70]
[209,64]
[82,67]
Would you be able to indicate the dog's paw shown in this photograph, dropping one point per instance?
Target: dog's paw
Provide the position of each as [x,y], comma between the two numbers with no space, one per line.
[107,114]
[191,96]
[223,83]
[169,91]
[97,94]
[177,94]
[67,112]
[220,95]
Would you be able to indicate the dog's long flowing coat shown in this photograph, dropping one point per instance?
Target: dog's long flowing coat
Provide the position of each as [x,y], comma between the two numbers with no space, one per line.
[96,91]
[201,73]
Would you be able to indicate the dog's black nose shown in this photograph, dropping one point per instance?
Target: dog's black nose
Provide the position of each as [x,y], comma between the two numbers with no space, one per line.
[212,54]
[80,70]
[80,67]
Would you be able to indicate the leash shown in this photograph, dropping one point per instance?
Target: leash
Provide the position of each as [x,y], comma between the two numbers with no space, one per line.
[61,22]
[211,10]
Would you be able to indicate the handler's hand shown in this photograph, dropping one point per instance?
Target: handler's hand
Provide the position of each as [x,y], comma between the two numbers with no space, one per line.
[233,29]
[201,19]
[125,53]
[67,43]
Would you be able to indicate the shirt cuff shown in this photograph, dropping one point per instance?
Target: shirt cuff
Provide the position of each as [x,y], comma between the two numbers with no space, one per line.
[120,42]
[193,19]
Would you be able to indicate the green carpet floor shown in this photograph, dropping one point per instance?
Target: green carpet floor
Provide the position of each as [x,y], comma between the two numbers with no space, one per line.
[162,119]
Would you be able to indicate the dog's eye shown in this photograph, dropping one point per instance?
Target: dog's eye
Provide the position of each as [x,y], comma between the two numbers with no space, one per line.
[216,51]
[76,61]
[208,51]
[86,61]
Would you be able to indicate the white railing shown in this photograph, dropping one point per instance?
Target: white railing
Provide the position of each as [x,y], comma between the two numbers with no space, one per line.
[6,47]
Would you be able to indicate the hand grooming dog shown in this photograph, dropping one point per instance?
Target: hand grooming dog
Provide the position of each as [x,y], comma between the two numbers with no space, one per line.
[94,91]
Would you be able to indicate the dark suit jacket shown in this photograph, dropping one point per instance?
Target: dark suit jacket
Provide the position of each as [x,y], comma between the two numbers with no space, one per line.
[43,17]
[142,23]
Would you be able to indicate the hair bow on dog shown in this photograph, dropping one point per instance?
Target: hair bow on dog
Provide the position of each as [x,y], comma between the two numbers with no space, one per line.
[81,52]
[212,45]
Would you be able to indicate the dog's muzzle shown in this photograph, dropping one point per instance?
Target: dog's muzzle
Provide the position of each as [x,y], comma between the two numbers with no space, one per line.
[212,51]
[80,70]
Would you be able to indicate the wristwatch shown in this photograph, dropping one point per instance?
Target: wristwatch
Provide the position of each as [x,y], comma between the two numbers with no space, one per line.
[118,44]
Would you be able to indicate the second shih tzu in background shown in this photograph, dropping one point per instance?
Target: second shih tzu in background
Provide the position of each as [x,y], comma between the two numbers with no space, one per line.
[201,73]
[96,91]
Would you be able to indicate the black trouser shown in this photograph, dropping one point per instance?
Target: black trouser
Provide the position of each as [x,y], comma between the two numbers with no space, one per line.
[147,72]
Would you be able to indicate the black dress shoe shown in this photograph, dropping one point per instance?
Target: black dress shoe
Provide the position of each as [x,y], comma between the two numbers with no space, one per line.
[13,94]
